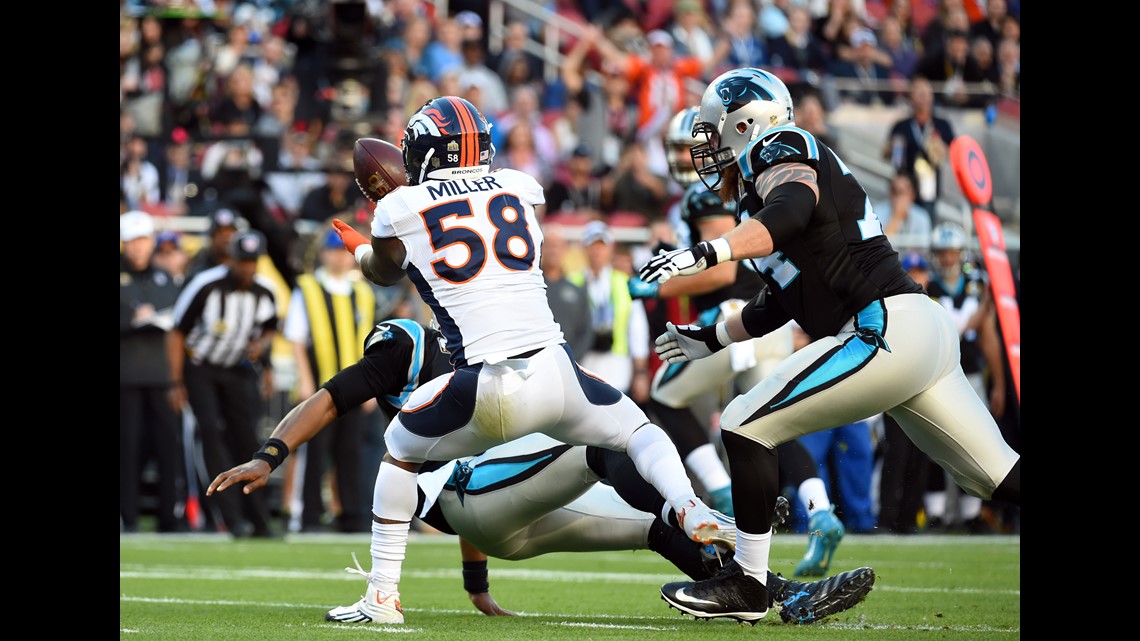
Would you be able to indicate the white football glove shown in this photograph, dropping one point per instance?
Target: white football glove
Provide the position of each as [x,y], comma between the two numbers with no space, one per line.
[685,262]
[687,343]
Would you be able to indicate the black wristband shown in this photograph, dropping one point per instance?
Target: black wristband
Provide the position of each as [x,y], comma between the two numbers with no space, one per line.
[475,577]
[708,252]
[273,452]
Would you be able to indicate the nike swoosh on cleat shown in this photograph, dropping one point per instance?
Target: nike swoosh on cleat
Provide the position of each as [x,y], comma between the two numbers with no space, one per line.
[685,598]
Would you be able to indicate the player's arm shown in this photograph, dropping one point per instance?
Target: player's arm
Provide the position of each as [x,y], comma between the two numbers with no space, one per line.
[790,192]
[475,581]
[381,260]
[302,423]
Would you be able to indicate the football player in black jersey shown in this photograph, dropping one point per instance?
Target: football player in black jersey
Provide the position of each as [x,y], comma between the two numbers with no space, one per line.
[879,343]
[716,293]
[546,498]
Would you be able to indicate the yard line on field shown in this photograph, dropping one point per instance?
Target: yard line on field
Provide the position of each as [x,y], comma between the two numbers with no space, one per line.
[186,573]
[670,618]
[156,541]
[609,626]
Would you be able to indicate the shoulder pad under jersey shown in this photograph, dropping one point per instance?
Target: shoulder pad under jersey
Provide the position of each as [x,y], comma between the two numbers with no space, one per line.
[779,145]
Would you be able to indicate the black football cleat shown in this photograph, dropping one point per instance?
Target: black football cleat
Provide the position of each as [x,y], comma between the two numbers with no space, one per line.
[801,603]
[730,593]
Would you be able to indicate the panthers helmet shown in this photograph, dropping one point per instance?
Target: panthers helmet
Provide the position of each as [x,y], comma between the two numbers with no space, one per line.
[697,203]
[737,106]
[445,139]
[948,235]
[678,140]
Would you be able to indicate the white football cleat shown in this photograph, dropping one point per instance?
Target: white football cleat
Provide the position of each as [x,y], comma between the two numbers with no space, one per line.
[376,606]
[705,525]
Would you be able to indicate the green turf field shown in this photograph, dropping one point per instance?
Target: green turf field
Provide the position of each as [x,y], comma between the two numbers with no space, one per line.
[214,588]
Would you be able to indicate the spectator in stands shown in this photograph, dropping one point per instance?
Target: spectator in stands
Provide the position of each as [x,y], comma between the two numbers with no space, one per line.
[798,49]
[238,104]
[867,79]
[634,187]
[811,116]
[225,319]
[904,222]
[492,90]
[834,27]
[620,351]
[444,52]
[139,177]
[692,32]
[772,17]
[918,144]
[982,51]
[182,182]
[520,151]
[576,188]
[609,120]
[952,66]
[951,16]
[170,256]
[895,43]
[146,298]
[514,64]
[1009,68]
[216,251]
[339,194]
[990,27]
[569,301]
[658,82]
[526,110]
[741,43]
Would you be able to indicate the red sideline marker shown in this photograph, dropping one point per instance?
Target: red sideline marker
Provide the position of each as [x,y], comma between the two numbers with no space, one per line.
[973,174]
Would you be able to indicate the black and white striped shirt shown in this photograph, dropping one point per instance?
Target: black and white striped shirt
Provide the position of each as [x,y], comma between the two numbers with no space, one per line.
[219,320]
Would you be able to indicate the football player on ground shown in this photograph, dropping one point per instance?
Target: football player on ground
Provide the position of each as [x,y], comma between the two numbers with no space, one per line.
[880,343]
[521,499]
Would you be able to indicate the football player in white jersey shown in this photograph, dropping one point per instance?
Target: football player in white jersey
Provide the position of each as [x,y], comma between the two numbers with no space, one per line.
[469,239]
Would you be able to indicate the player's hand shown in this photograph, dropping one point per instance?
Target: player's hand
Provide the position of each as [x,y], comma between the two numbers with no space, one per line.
[351,238]
[639,289]
[486,604]
[686,343]
[255,475]
[683,262]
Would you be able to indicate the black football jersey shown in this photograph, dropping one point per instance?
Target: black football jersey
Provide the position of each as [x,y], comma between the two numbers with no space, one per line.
[842,260]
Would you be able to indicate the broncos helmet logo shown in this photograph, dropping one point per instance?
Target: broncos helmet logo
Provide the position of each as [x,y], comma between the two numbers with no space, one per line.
[439,119]
[738,91]
[769,153]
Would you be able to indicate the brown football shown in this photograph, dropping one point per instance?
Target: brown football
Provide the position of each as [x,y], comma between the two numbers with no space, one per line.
[379,167]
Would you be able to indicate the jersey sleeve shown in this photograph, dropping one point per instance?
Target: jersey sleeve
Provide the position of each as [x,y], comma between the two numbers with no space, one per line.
[776,146]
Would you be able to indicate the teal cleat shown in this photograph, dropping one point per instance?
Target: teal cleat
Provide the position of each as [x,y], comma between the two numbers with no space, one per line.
[824,534]
[721,500]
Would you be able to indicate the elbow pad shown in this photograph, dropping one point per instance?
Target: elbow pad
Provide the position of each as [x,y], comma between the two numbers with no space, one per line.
[787,211]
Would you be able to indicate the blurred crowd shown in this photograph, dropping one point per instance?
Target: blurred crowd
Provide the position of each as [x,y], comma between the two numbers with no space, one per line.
[242,115]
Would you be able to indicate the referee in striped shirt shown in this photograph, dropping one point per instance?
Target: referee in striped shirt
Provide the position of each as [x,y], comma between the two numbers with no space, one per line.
[224,323]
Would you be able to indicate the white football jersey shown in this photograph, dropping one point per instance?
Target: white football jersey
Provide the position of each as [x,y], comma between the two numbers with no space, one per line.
[473,246]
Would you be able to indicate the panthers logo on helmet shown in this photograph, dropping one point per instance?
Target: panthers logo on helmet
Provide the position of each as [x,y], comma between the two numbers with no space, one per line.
[738,91]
